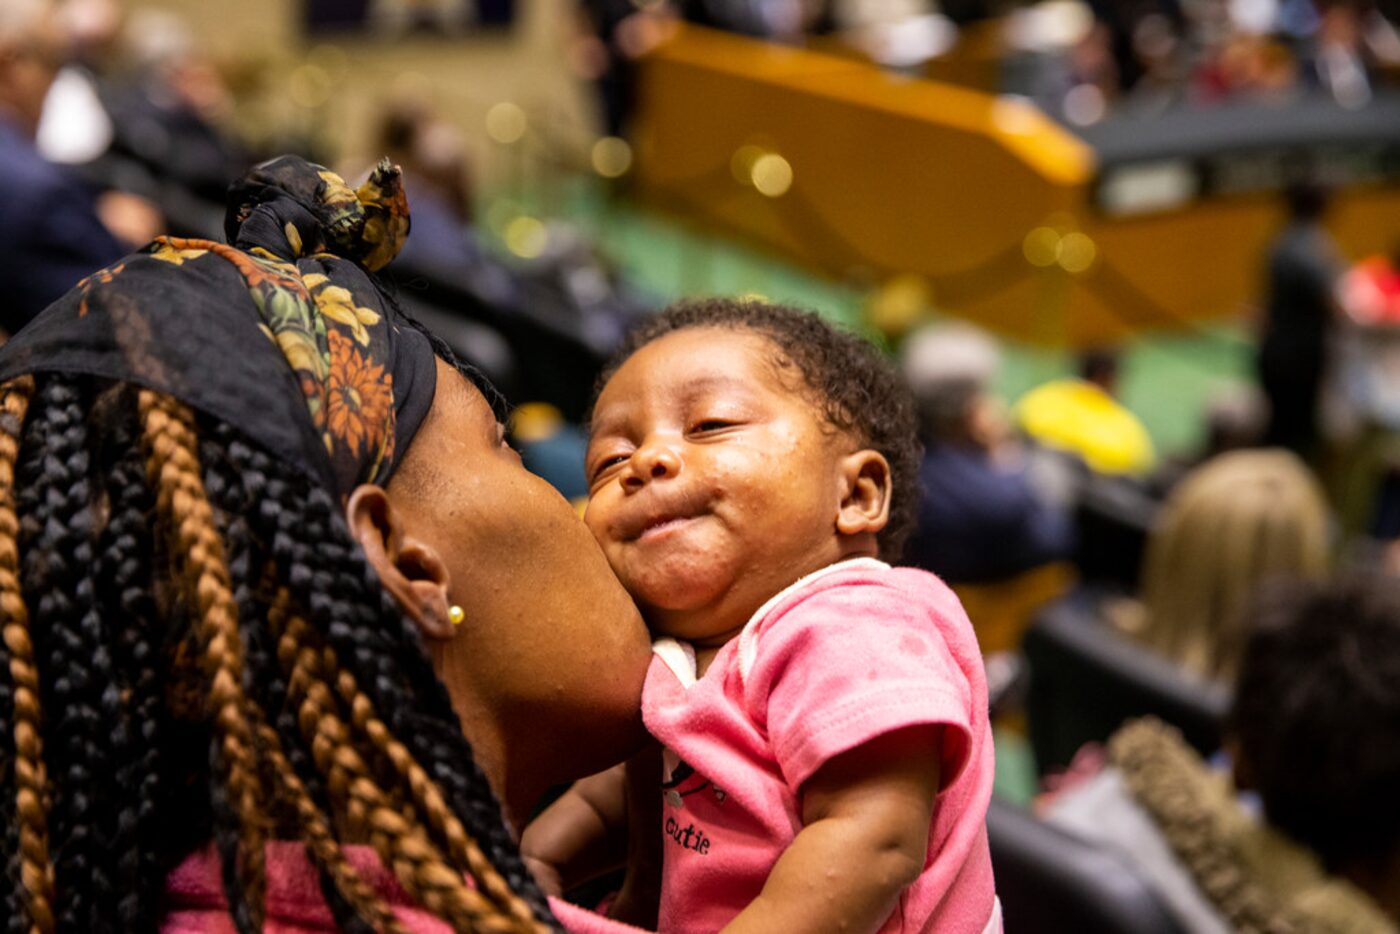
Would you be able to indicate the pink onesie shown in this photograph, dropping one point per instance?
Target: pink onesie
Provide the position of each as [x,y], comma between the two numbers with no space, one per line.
[846,654]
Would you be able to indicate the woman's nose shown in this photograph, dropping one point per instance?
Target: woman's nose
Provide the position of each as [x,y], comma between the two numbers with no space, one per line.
[652,462]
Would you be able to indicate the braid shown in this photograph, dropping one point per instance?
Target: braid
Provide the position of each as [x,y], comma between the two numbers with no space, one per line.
[359,635]
[327,575]
[401,842]
[274,676]
[321,842]
[182,503]
[31,796]
[427,796]
[57,548]
[125,573]
[349,898]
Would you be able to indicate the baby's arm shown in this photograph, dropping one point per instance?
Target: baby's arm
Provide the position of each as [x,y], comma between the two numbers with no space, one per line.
[581,835]
[866,816]
[601,823]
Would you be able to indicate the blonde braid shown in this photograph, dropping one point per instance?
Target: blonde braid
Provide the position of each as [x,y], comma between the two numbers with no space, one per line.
[402,843]
[316,831]
[172,464]
[31,779]
[428,798]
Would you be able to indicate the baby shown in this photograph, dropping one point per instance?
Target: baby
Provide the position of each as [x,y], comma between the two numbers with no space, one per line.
[827,759]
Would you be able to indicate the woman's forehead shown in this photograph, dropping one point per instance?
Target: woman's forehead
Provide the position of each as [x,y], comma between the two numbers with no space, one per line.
[464,385]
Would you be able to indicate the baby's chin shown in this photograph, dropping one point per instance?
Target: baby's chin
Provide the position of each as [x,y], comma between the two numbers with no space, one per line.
[689,611]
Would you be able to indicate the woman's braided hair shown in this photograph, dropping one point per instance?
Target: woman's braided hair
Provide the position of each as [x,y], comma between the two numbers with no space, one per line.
[193,648]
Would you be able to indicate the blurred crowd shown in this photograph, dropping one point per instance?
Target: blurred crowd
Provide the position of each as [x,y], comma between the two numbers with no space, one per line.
[1054,516]
[1080,60]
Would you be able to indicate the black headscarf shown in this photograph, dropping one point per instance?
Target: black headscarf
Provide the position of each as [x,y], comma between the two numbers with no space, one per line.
[282,333]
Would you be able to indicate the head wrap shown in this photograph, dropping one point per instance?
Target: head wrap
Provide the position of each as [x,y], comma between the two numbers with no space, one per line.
[281,333]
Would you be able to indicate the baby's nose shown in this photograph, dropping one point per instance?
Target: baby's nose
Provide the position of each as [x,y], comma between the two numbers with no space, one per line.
[654,462]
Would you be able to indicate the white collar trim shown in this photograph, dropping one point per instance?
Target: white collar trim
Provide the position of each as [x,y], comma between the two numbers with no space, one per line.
[680,656]
[748,648]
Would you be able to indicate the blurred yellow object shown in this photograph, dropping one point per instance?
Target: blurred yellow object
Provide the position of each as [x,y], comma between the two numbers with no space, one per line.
[899,305]
[535,421]
[526,237]
[612,157]
[506,122]
[1002,611]
[771,175]
[1077,416]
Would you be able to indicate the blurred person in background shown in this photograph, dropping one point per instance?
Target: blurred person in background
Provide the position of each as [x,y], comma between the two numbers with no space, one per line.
[1300,301]
[1239,519]
[172,109]
[1314,736]
[610,36]
[980,516]
[438,179]
[1081,415]
[1338,62]
[51,234]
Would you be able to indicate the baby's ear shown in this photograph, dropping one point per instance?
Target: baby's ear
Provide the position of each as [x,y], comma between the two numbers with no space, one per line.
[865,493]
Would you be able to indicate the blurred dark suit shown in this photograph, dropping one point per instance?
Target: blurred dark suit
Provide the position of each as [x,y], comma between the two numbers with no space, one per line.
[50,235]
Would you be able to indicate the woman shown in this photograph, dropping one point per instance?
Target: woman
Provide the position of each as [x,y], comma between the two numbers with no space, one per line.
[278,604]
[1235,521]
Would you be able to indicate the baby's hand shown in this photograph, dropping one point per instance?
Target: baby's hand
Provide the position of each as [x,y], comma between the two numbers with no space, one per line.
[580,836]
[599,825]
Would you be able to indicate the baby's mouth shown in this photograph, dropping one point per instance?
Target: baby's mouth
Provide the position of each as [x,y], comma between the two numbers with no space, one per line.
[658,524]
[661,525]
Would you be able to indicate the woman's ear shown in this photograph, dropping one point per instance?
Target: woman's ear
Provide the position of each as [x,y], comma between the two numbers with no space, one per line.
[865,493]
[410,570]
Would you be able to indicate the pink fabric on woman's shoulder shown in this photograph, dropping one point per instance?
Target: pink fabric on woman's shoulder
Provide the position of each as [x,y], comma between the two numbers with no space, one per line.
[195,894]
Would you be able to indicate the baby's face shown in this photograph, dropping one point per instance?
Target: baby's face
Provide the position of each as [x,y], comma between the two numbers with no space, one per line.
[714,481]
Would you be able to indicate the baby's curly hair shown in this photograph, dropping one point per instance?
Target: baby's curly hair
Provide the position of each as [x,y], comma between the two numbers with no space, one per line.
[855,386]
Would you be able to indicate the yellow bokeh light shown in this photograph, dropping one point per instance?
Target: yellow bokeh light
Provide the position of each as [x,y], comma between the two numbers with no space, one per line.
[309,86]
[1076,252]
[900,304]
[772,175]
[741,163]
[1042,246]
[526,237]
[506,122]
[535,421]
[612,157]
[757,298]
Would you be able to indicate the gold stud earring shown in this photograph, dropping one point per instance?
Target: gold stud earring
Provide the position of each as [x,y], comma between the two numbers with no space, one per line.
[456,614]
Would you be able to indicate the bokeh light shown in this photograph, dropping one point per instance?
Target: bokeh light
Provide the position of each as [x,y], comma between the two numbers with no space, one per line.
[772,175]
[506,122]
[1041,246]
[526,237]
[612,157]
[1076,252]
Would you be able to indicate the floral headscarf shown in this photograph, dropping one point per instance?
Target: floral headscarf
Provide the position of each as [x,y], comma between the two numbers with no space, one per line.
[281,332]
